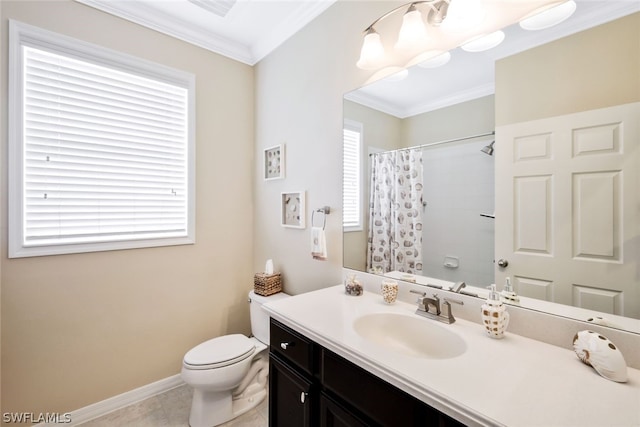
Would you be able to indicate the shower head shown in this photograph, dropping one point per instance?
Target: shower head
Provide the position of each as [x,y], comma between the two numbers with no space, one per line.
[488,149]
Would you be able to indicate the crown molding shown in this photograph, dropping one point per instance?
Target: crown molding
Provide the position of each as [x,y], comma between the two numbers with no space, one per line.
[402,113]
[142,14]
[452,99]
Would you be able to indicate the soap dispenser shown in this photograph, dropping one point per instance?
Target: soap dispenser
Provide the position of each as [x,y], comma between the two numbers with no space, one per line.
[507,294]
[494,314]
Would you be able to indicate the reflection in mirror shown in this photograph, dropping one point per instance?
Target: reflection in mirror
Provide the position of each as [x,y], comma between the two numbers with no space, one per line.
[579,70]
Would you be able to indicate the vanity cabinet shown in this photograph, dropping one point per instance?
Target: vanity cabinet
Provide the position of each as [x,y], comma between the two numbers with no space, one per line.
[312,386]
[293,384]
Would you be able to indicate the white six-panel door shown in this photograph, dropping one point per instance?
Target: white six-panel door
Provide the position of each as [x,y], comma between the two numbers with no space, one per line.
[567,209]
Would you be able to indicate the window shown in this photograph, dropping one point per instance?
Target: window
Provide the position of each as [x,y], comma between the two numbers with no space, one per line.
[352,178]
[101,148]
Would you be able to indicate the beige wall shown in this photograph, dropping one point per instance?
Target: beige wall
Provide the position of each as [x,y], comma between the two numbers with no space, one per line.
[602,70]
[77,329]
[299,89]
[468,118]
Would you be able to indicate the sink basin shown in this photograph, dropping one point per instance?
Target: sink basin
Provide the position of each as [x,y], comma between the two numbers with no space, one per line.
[410,335]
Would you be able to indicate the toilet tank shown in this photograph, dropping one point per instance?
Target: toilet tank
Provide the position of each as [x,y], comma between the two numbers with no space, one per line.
[259,317]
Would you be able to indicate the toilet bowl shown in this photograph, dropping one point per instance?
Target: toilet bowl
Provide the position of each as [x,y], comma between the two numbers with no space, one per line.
[229,373]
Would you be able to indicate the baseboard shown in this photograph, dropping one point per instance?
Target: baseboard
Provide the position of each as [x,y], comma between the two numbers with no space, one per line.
[120,401]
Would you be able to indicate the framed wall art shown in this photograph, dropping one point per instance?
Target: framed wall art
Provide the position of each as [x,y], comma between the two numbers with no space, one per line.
[274,162]
[293,209]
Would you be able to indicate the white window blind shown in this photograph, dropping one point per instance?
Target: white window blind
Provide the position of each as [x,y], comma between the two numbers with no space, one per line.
[352,186]
[103,156]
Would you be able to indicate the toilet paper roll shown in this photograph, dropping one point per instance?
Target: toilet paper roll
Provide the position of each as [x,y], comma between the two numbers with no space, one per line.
[268,267]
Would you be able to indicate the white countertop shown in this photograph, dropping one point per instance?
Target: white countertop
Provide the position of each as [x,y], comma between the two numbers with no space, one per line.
[515,381]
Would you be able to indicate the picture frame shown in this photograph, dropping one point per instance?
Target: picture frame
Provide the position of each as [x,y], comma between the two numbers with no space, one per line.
[274,162]
[293,212]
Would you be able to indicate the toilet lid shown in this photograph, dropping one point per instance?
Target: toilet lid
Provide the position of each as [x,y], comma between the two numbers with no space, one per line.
[219,352]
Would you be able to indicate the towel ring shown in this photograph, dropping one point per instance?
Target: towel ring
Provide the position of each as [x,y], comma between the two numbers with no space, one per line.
[325,210]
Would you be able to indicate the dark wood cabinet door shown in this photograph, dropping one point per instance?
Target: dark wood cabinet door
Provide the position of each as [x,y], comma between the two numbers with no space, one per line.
[291,397]
[332,414]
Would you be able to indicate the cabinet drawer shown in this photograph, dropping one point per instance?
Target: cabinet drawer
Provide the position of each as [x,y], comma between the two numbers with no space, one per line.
[378,400]
[292,346]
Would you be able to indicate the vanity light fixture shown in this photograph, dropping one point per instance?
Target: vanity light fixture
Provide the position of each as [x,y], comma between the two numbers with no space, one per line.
[412,36]
[483,43]
[549,16]
[442,20]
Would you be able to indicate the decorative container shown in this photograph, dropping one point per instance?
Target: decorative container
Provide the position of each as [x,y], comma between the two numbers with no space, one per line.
[267,284]
[494,315]
[352,286]
[389,290]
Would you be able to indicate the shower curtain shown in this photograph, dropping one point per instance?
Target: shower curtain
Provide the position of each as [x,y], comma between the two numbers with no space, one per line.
[395,212]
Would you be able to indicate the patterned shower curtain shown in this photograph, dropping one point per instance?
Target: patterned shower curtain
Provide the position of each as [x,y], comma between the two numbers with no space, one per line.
[395,212]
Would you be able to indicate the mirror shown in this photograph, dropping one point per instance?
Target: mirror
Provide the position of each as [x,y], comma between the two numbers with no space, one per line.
[475,92]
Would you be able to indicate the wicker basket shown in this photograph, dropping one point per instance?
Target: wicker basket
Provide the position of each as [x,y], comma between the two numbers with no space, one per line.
[267,284]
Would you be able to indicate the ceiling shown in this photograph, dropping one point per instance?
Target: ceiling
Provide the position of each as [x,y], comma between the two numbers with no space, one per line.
[248,30]
[244,30]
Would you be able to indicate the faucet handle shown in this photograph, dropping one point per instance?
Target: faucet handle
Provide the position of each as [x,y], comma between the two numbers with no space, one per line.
[446,306]
[422,295]
[421,301]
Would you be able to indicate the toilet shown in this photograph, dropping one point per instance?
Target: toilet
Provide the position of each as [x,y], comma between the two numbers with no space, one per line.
[229,373]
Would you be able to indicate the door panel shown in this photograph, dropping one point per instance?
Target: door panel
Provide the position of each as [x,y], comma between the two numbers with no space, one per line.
[567,208]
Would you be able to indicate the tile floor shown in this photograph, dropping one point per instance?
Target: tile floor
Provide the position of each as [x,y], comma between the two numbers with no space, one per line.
[171,409]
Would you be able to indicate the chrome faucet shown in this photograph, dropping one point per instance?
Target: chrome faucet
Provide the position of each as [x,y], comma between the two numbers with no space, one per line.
[458,287]
[430,307]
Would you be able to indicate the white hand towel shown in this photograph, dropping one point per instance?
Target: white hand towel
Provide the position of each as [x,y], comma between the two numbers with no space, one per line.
[318,244]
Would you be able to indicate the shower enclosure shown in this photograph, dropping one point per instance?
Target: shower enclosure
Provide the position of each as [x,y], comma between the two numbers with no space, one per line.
[439,223]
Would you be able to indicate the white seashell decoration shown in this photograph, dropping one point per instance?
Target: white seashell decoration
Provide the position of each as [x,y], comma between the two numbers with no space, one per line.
[597,351]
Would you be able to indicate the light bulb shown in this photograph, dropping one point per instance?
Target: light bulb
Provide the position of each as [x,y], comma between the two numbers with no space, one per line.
[372,52]
[413,33]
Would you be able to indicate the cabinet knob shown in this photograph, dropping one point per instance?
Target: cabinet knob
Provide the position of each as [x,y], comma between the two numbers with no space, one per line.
[285,345]
[303,397]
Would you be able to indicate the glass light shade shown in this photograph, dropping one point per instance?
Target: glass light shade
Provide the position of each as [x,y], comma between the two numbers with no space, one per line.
[463,15]
[413,33]
[372,52]
[484,43]
[437,61]
[549,17]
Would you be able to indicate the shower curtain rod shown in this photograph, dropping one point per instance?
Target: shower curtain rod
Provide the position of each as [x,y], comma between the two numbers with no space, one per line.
[430,144]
